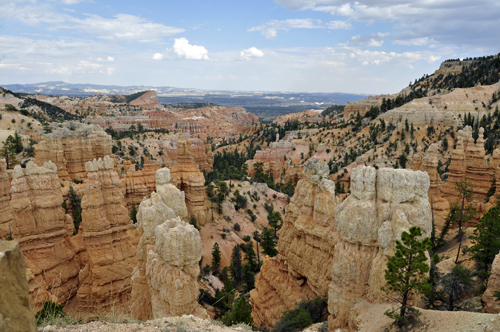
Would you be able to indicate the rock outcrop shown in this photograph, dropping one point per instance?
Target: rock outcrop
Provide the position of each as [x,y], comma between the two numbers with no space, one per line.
[491,303]
[172,270]
[152,213]
[302,269]
[41,226]
[381,206]
[15,309]
[105,281]
[202,152]
[5,210]
[340,250]
[147,100]
[71,146]
[188,178]
[469,161]
[428,163]
[273,159]
[140,184]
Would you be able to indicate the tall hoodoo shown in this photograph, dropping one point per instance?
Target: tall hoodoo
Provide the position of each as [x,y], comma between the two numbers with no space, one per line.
[491,304]
[41,226]
[187,177]
[302,269]
[381,206]
[105,280]
[172,270]
[167,204]
[15,308]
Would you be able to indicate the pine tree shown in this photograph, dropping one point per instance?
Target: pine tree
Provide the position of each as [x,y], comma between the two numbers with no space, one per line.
[133,214]
[486,241]
[269,242]
[75,206]
[248,277]
[463,212]
[251,258]
[216,258]
[240,313]
[235,266]
[406,272]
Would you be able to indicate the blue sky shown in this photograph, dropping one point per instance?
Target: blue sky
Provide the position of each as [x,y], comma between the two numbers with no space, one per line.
[366,46]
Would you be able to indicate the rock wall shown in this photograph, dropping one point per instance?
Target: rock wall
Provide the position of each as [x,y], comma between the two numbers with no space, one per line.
[202,153]
[140,184]
[172,270]
[469,161]
[105,281]
[188,178]
[5,210]
[71,146]
[15,310]
[152,213]
[41,226]
[428,163]
[301,270]
[273,159]
[381,206]
[491,304]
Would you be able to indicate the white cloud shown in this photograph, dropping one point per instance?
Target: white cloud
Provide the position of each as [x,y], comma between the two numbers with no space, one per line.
[123,26]
[111,59]
[251,52]
[339,25]
[270,29]
[71,2]
[187,51]
[371,40]
[158,56]
[399,59]
[413,42]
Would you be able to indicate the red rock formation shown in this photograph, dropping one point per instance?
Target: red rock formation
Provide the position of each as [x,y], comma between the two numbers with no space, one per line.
[202,153]
[302,269]
[428,163]
[71,146]
[274,159]
[5,210]
[468,160]
[40,225]
[188,178]
[105,280]
[147,100]
[140,184]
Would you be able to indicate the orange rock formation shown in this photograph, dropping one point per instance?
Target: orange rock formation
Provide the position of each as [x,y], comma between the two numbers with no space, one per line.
[41,227]
[491,304]
[105,280]
[188,178]
[147,100]
[5,210]
[71,146]
[140,184]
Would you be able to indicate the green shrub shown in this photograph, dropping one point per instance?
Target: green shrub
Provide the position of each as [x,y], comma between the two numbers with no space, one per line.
[50,314]
[305,314]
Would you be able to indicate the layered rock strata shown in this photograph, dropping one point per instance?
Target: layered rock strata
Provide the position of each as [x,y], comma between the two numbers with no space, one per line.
[140,184]
[302,269]
[105,281]
[15,309]
[340,250]
[172,270]
[5,210]
[491,303]
[381,206]
[188,178]
[202,152]
[41,226]
[147,100]
[71,146]
[273,159]
[469,161]
[152,213]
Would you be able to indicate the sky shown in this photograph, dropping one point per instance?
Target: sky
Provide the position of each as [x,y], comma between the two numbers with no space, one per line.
[365,46]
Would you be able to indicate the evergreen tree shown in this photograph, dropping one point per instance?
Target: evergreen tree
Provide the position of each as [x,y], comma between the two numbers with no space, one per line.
[216,258]
[269,242]
[406,272]
[241,312]
[235,266]
[275,220]
[251,258]
[248,277]
[75,206]
[133,214]
[486,241]
[464,212]
[456,283]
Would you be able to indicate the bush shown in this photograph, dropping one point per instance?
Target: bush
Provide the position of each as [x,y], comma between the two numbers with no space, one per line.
[237,227]
[305,314]
[50,312]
